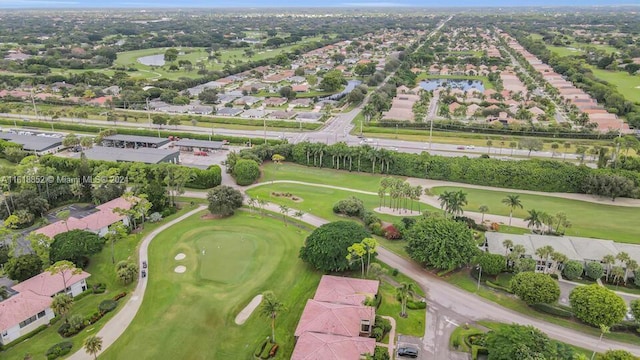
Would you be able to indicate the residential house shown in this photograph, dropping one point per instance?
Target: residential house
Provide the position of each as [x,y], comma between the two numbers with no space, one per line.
[275,101]
[97,222]
[30,308]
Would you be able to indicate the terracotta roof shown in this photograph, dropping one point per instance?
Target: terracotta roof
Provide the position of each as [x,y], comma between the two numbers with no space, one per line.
[313,346]
[47,284]
[344,290]
[337,319]
[58,227]
[21,307]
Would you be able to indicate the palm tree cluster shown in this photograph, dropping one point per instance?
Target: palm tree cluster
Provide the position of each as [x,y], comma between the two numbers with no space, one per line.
[399,192]
[545,222]
[617,273]
[453,202]
[345,157]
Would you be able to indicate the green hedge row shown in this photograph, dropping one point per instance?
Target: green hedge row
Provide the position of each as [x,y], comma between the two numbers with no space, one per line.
[496,286]
[553,310]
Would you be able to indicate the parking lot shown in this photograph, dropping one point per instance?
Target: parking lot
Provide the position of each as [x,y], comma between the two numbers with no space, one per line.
[200,161]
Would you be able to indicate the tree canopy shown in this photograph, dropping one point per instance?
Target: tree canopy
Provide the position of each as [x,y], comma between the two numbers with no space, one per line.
[75,246]
[224,200]
[23,267]
[597,305]
[535,288]
[511,342]
[246,172]
[326,248]
[492,264]
[440,242]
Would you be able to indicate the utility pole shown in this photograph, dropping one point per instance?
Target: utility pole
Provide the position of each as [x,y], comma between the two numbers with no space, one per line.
[264,124]
[479,276]
[430,133]
[148,113]
[33,101]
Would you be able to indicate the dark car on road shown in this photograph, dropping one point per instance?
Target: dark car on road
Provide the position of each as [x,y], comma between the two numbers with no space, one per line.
[144,264]
[144,273]
[408,352]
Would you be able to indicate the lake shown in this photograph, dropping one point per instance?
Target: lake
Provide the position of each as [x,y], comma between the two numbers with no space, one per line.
[152,60]
[452,83]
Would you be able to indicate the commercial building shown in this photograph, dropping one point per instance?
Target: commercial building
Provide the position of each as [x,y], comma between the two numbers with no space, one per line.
[40,145]
[133,141]
[144,155]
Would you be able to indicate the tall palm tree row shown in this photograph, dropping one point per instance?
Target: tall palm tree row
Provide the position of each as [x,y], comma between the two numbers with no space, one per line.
[453,202]
[401,194]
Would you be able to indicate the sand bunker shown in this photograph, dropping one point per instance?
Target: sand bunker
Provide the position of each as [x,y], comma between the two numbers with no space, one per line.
[180,256]
[180,269]
[248,310]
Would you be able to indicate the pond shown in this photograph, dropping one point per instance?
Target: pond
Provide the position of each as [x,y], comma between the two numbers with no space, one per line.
[152,60]
[351,84]
[452,83]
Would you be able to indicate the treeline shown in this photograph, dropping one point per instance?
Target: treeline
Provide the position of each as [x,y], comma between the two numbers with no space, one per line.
[537,175]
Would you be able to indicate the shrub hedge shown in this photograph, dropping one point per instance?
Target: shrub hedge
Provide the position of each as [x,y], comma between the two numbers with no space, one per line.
[553,310]
[58,350]
[107,305]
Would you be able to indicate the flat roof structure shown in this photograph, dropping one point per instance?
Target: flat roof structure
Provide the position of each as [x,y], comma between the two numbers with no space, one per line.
[144,155]
[134,140]
[32,142]
[202,144]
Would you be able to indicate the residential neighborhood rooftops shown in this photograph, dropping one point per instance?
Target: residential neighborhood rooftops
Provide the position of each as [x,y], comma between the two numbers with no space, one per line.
[48,284]
[315,346]
[330,318]
[20,307]
[344,290]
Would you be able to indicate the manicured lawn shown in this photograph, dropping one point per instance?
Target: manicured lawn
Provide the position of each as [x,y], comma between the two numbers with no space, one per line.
[588,219]
[102,271]
[628,85]
[351,180]
[228,261]
[319,201]
[413,324]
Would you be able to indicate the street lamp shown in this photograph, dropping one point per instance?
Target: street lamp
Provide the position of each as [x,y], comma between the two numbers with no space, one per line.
[479,276]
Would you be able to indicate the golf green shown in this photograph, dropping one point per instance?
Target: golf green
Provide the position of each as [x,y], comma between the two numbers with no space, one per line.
[228,261]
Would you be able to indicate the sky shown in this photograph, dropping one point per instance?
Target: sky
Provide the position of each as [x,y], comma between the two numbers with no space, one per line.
[297,3]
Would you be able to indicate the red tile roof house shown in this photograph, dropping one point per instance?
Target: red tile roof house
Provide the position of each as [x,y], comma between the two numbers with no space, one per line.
[31,307]
[335,324]
[97,222]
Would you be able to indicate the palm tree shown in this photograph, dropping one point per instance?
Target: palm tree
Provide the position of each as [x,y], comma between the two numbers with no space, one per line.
[93,345]
[284,209]
[404,291]
[270,308]
[512,201]
[483,209]
[631,267]
[508,244]
[534,219]
[62,304]
[608,260]
[545,253]
[558,258]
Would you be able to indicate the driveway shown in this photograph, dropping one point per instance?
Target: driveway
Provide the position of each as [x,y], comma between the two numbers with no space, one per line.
[567,286]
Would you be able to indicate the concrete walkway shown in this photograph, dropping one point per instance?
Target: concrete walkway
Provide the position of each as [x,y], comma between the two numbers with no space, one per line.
[392,337]
[119,323]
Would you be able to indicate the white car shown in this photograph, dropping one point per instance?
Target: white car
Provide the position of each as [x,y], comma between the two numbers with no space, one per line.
[469,147]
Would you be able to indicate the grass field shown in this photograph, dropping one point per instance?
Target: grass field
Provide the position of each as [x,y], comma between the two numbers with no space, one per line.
[130,59]
[102,271]
[588,219]
[228,261]
[627,84]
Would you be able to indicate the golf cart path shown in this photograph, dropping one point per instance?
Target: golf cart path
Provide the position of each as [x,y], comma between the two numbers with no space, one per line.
[115,327]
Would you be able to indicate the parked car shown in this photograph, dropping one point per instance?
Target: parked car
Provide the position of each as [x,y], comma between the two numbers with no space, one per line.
[460,147]
[144,273]
[201,153]
[144,264]
[408,352]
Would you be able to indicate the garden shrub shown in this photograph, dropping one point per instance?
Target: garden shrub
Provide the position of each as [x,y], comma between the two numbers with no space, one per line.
[58,350]
[496,286]
[594,270]
[107,305]
[155,217]
[99,288]
[416,305]
[573,270]
[260,349]
[626,325]
[369,218]
[391,233]
[381,327]
[246,172]
[394,272]
[120,296]
[376,229]
[350,207]
[553,310]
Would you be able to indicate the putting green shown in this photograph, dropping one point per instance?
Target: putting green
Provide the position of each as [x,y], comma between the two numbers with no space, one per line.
[215,250]
[191,315]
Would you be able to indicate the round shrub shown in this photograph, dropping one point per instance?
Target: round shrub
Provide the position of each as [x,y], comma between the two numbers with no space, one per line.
[58,350]
[350,207]
[246,172]
[597,305]
[594,270]
[572,270]
[326,248]
[107,305]
[535,288]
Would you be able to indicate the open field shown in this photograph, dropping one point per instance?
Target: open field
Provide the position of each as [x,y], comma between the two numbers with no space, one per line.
[588,219]
[237,55]
[102,271]
[627,84]
[228,261]
[319,201]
